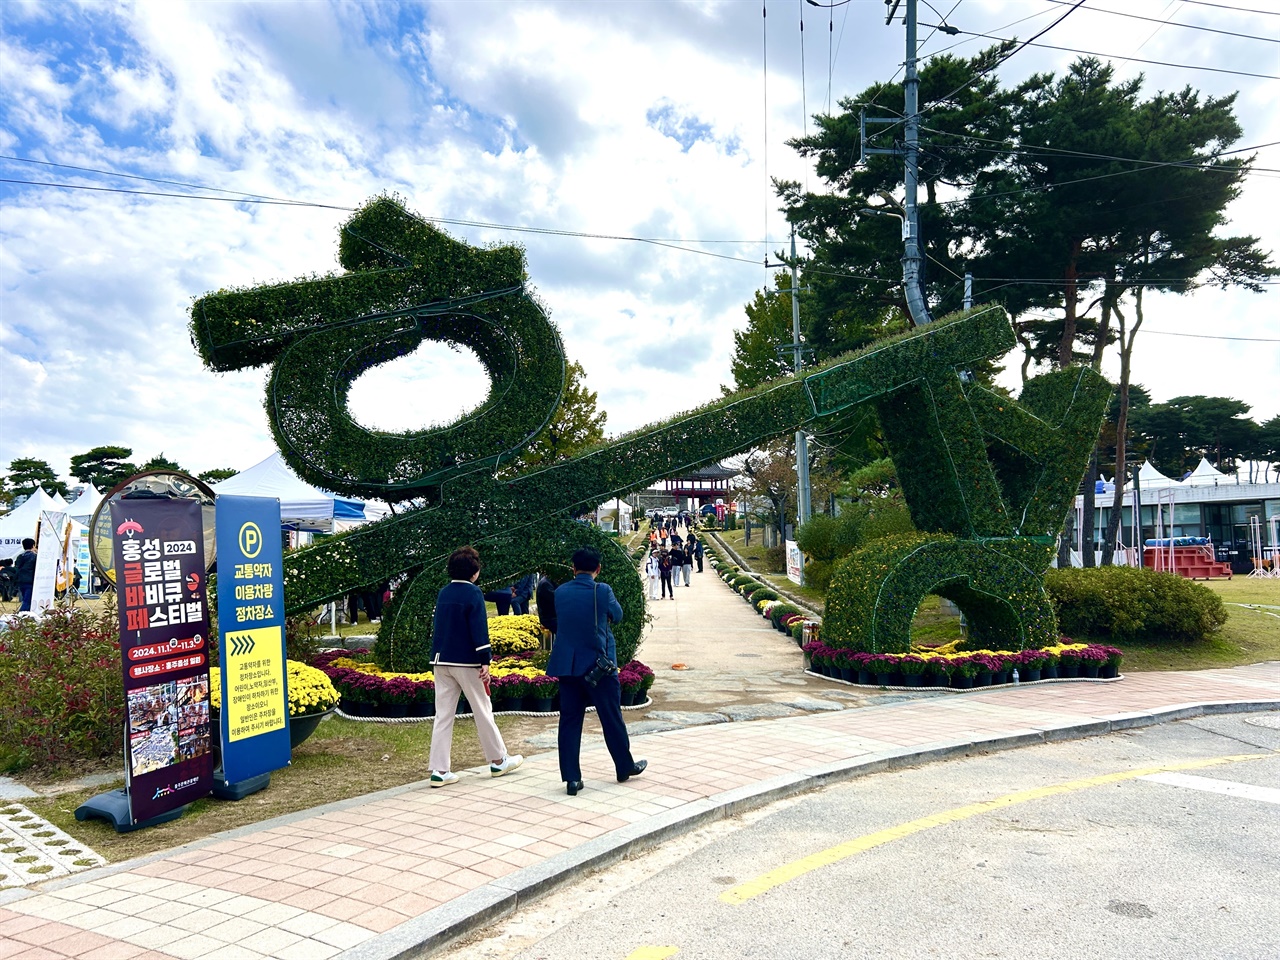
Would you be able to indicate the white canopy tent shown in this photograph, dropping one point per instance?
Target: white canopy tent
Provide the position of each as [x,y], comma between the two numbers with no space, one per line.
[301,505]
[82,507]
[1204,475]
[23,520]
[1150,478]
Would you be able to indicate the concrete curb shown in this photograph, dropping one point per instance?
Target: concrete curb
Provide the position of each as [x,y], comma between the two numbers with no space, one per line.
[438,928]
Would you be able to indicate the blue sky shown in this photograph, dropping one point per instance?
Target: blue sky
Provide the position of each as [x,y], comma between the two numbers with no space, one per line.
[635,119]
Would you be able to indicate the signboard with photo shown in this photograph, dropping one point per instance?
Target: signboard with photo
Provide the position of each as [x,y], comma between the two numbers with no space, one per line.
[255,696]
[158,550]
[795,562]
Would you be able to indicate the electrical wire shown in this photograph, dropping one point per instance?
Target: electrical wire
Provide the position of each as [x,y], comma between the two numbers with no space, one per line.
[1211,336]
[1223,6]
[1114,56]
[764,35]
[1170,23]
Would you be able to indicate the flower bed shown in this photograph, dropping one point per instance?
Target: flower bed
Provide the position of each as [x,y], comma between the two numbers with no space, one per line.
[310,690]
[518,684]
[975,668]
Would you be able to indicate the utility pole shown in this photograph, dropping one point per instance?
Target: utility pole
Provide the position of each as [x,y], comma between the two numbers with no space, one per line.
[968,290]
[912,255]
[803,511]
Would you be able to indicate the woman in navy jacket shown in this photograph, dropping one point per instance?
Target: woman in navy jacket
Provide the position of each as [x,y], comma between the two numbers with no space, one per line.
[584,611]
[460,658]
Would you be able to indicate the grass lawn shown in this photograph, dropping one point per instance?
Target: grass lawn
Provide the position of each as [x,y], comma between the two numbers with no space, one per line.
[344,758]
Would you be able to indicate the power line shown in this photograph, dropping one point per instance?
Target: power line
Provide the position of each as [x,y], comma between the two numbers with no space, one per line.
[1115,56]
[1170,23]
[1211,336]
[1223,6]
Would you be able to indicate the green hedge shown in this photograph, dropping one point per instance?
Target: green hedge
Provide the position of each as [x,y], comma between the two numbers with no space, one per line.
[876,591]
[764,593]
[1128,603]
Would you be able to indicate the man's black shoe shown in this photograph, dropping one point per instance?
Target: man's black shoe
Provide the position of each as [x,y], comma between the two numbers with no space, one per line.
[573,787]
[637,768]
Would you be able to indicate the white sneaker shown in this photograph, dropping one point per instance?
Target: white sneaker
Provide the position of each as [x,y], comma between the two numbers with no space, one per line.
[443,778]
[506,766]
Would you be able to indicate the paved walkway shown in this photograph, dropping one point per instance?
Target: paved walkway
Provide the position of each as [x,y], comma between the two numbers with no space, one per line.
[411,867]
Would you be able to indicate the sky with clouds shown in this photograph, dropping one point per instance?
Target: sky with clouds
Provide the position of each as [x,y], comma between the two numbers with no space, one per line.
[635,119]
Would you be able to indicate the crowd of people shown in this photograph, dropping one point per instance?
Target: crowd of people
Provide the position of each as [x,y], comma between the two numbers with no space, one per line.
[671,555]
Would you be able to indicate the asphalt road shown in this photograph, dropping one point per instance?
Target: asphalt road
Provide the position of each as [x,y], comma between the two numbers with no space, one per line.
[1157,843]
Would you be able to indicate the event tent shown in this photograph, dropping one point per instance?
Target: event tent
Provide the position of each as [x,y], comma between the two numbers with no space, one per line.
[1204,475]
[1150,478]
[23,521]
[301,505]
[83,506]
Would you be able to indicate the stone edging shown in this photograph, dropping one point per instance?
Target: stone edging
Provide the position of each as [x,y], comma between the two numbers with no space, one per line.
[436,929]
[925,688]
[799,601]
[471,716]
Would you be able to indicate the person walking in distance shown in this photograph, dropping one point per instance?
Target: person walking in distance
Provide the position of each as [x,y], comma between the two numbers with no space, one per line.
[652,572]
[687,566]
[664,574]
[585,612]
[460,658]
[677,564]
[697,553]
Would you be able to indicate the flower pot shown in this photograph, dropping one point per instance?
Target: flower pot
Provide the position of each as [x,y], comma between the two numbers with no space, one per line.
[393,710]
[865,677]
[463,706]
[1068,671]
[886,679]
[304,725]
[422,708]
[940,679]
[962,683]
[913,679]
[848,674]
[1090,668]
[999,677]
[544,705]
[629,696]
[983,679]
[1031,676]
[357,708]
[502,704]
[1050,672]
[1109,671]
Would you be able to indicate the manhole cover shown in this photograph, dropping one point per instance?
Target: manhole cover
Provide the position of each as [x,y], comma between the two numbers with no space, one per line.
[746,654]
[1269,720]
[1125,908]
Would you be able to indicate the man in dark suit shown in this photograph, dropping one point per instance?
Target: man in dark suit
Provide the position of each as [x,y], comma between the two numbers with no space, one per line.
[584,611]
[24,572]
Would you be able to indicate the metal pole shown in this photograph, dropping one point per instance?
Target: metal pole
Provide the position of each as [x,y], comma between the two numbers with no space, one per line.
[968,291]
[912,259]
[803,511]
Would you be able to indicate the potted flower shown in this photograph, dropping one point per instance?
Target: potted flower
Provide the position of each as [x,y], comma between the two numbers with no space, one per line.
[1092,659]
[861,663]
[424,699]
[1049,671]
[885,669]
[542,693]
[1069,664]
[1031,665]
[629,681]
[912,668]
[396,695]
[500,694]
[364,691]
[940,671]
[515,687]
[1111,669]
[964,670]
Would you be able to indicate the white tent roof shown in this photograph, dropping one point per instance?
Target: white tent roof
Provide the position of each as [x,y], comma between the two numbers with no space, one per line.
[24,520]
[1149,477]
[300,502]
[83,506]
[1204,475]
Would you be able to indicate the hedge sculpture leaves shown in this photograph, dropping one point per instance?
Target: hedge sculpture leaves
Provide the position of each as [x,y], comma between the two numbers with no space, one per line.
[406,282]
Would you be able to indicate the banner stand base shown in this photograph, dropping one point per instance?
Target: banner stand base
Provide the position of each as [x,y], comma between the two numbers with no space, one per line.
[241,788]
[114,806]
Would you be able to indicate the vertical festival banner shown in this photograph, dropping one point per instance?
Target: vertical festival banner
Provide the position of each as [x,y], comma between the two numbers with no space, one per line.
[158,548]
[255,695]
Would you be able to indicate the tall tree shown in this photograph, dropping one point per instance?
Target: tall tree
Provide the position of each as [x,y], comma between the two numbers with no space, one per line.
[757,354]
[217,475]
[575,425]
[27,473]
[103,466]
[161,462]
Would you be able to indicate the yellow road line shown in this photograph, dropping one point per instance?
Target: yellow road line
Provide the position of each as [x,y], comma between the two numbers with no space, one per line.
[653,953]
[823,858]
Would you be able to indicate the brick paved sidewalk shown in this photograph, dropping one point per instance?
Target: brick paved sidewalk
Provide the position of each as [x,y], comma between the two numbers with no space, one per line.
[372,877]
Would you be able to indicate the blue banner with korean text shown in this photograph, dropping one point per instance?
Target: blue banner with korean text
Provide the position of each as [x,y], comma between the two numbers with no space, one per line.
[158,548]
[255,695]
